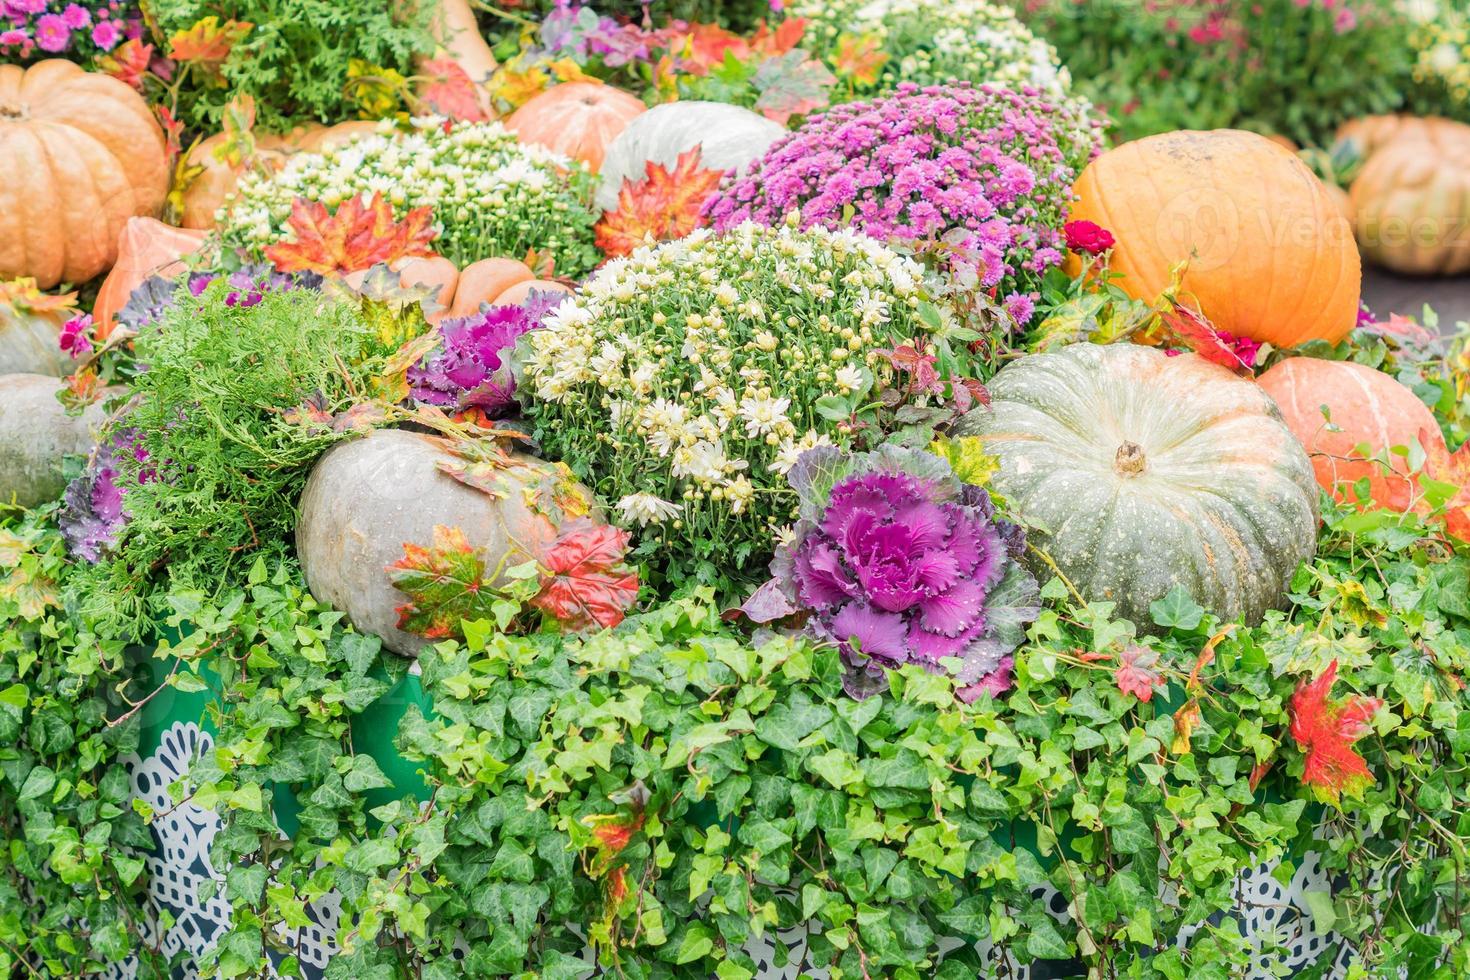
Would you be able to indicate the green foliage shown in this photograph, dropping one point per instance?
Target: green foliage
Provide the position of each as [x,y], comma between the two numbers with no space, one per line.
[221,462]
[1276,66]
[294,61]
[71,838]
[669,789]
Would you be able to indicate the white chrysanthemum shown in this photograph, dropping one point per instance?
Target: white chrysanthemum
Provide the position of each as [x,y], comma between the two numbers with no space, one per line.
[763,413]
[646,508]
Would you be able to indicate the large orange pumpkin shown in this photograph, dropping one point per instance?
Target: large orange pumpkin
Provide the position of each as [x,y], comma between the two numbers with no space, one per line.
[1270,255]
[1366,407]
[1411,203]
[578,119]
[80,153]
[146,248]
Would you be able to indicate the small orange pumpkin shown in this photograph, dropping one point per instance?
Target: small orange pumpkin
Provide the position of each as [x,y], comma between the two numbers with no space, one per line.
[146,247]
[81,154]
[1269,255]
[577,119]
[484,282]
[1366,407]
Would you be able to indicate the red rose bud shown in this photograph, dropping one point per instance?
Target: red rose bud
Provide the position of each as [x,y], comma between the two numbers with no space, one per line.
[1084,236]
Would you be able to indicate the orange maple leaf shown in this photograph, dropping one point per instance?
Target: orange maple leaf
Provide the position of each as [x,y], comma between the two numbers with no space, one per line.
[1326,731]
[208,42]
[785,37]
[357,237]
[665,205]
[859,58]
[1454,468]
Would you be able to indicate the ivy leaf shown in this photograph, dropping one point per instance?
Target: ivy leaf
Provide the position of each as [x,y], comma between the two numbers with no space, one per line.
[207,44]
[355,238]
[791,85]
[449,91]
[665,205]
[587,582]
[445,584]
[1136,674]
[1326,731]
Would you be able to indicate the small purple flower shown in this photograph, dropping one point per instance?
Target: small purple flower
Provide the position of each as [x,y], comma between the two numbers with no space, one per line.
[52,34]
[93,514]
[76,336]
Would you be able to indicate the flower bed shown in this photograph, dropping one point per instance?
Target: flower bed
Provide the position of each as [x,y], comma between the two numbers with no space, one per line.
[937,545]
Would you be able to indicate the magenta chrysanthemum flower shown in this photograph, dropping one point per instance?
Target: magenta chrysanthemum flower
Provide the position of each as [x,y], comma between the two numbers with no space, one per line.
[76,17]
[976,174]
[901,563]
[52,34]
[106,35]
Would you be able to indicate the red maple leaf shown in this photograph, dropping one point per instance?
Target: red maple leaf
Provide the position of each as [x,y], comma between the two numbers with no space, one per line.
[445,584]
[663,206]
[1326,731]
[357,237]
[1453,468]
[587,583]
[1194,331]
[449,91]
[706,46]
[918,366]
[128,62]
[1136,674]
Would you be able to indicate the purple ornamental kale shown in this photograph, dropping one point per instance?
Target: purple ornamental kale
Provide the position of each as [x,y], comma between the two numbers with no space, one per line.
[469,369]
[250,283]
[897,561]
[92,513]
[147,304]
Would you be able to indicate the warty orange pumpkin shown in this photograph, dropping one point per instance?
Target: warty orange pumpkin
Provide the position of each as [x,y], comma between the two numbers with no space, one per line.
[577,119]
[1269,254]
[81,154]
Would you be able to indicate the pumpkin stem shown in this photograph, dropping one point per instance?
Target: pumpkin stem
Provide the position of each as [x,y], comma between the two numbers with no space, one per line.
[9,111]
[1130,460]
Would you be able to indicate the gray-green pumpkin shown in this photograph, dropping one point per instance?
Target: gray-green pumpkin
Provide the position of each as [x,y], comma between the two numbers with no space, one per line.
[366,498]
[1141,472]
[36,436]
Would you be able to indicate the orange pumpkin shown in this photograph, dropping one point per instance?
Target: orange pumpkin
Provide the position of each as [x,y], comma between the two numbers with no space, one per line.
[1366,407]
[577,119]
[1370,134]
[80,154]
[463,292]
[484,282]
[1411,203]
[1269,255]
[208,189]
[145,248]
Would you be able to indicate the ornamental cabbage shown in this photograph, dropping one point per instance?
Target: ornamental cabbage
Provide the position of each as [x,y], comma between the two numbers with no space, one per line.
[899,562]
[470,368]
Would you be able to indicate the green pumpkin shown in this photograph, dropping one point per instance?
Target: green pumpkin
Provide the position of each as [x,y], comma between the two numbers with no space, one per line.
[1140,472]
